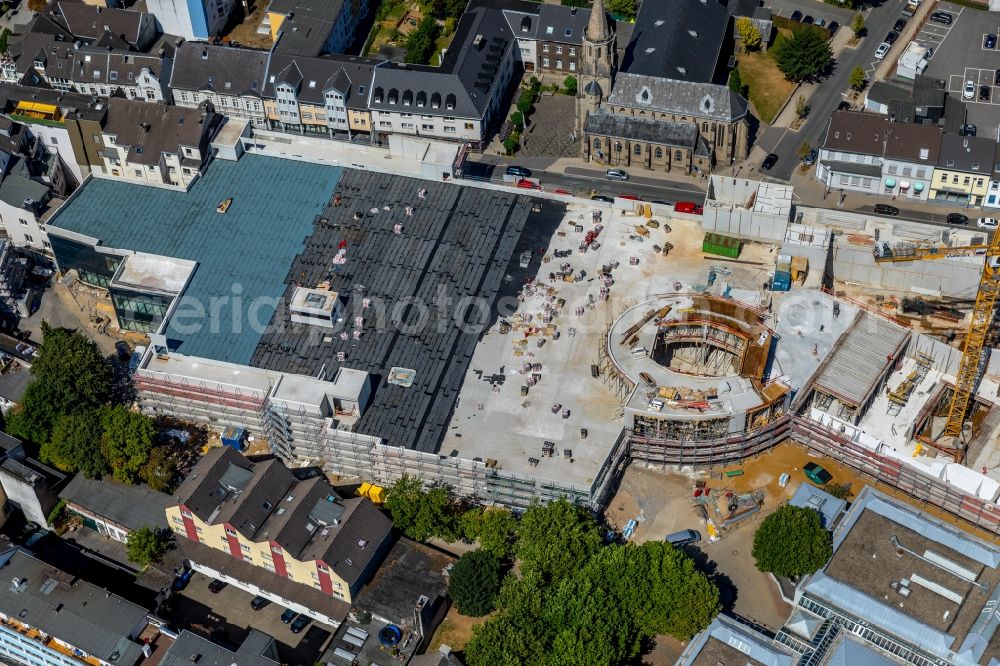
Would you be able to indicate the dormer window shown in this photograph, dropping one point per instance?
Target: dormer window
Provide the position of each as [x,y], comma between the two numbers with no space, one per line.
[436,100]
[312,84]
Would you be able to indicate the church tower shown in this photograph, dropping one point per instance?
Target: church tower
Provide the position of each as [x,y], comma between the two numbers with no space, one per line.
[596,64]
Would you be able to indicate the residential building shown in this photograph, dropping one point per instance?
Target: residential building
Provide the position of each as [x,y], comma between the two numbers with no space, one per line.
[314,27]
[992,199]
[49,617]
[257,649]
[319,95]
[106,27]
[851,155]
[829,508]
[191,19]
[461,100]
[15,374]
[666,110]
[559,40]
[26,203]
[153,144]
[68,124]
[910,154]
[262,529]
[726,641]
[26,484]
[905,586]
[231,78]
[115,509]
[964,168]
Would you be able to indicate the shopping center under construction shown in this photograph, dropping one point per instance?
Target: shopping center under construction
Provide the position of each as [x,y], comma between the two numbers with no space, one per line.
[523,348]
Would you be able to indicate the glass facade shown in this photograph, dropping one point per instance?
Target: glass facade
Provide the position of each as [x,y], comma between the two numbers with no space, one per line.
[137,311]
[94,267]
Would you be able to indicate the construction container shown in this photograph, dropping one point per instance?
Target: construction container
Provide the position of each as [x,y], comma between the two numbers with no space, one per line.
[800,267]
[234,437]
[375,493]
[725,246]
[782,281]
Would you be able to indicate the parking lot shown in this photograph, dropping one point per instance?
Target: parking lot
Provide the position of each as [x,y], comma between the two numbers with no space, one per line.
[226,616]
[960,55]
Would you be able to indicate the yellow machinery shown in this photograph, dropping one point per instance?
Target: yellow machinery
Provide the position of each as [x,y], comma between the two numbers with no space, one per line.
[375,493]
[982,317]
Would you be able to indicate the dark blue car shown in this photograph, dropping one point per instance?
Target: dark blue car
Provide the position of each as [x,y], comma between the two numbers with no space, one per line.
[182,581]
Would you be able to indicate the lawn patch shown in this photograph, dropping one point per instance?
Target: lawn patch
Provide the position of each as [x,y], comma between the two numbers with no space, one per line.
[768,87]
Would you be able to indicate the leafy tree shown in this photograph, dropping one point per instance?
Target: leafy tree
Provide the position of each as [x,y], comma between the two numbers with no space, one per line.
[75,445]
[37,5]
[160,470]
[804,150]
[748,32]
[4,36]
[839,490]
[569,83]
[493,528]
[626,9]
[474,582]
[556,539]
[516,635]
[127,441]
[421,515]
[517,119]
[145,545]
[510,143]
[420,43]
[736,82]
[801,107]
[70,375]
[858,24]
[803,57]
[526,105]
[791,542]
[858,79]
[575,3]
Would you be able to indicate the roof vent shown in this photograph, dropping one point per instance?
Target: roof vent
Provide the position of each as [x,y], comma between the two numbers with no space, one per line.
[965,143]
[693,33]
[204,54]
[478,42]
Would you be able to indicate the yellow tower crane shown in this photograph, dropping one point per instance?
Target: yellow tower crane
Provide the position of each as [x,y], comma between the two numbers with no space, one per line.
[982,315]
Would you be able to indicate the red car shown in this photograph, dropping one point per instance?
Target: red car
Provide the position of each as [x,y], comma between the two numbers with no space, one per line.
[526,184]
[688,207]
[565,192]
[629,197]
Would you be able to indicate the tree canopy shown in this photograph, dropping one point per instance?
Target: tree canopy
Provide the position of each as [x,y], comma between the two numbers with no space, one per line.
[556,539]
[858,79]
[749,33]
[69,376]
[492,527]
[625,9]
[145,545]
[420,46]
[474,582]
[792,542]
[126,441]
[75,445]
[421,515]
[803,57]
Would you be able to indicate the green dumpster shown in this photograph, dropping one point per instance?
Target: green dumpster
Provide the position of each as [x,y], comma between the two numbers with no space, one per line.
[725,246]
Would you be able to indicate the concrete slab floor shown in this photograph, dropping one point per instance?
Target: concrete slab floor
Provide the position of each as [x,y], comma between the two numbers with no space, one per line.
[493,420]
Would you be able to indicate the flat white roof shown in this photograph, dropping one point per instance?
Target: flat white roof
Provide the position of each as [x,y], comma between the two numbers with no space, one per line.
[154,273]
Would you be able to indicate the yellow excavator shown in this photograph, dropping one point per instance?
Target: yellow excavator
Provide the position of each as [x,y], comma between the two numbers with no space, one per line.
[982,314]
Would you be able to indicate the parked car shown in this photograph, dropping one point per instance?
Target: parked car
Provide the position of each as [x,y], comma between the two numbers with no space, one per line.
[808,20]
[683,538]
[984,93]
[990,41]
[601,197]
[996,77]
[810,159]
[929,53]
[216,585]
[820,22]
[833,28]
[288,615]
[882,49]
[891,37]
[258,602]
[886,209]
[899,25]
[616,174]
[688,207]
[629,197]
[182,581]
[519,171]
[944,18]
[969,91]
[769,162]
[987,223]
[968,130]
[957,218]
[816,474]
[526,184]
[301,622]
[796,15]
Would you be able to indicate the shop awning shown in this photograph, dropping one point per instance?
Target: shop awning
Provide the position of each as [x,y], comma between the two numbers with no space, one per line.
[890,182]
[904,185]
[918,186]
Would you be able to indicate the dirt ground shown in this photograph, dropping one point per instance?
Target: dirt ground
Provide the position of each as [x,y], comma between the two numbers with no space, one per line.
[79,309]
[245,31]
[454,631]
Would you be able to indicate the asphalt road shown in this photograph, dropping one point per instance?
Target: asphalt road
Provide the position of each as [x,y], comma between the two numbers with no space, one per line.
[784,142]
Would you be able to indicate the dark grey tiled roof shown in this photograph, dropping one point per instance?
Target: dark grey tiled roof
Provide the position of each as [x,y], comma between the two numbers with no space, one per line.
[467,78]
[89,618]
[856,168]
[92,22]
[681,39]
[915,143]
[662,95]
[147,130]
[312,77]
[558,23]
[92,65]
[883,93]
[191,648]
[342,549]
[72,104]
[675,135]
[524,25]
[967,153]
[223,69]
[857,132]
[307,26]
[131,506]
[14,190]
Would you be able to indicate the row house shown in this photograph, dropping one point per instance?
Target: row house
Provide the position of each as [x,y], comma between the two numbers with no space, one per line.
[868,153]
[280,531]
[964,169]
[96,25]
[155,144]
[314,27]
[326,96]
[549,37]
[231,78]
